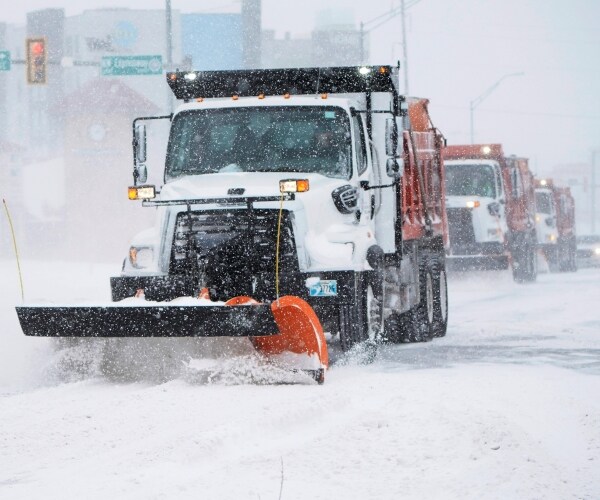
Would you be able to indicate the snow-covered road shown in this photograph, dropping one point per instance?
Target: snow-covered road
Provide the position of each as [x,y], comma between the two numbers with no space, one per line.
[506,406]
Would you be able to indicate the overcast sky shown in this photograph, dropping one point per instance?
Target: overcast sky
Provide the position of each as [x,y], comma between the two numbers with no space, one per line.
[457,50]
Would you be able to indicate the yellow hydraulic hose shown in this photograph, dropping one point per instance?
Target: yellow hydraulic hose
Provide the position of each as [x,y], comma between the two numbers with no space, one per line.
[14,239]
[277,247]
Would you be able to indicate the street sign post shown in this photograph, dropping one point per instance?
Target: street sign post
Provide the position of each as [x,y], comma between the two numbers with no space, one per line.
[131,65]
[4,60]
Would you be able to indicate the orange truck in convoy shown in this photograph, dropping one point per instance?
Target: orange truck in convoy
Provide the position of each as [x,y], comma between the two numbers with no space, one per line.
[555,225]
[491,210]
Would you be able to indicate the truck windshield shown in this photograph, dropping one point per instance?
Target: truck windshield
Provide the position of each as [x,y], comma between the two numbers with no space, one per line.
[543,203]
[307,139]
[470,180]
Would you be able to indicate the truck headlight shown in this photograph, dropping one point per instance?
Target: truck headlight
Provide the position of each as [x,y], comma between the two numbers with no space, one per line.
[597,251]
[494,209]
[141,257]
[345,199]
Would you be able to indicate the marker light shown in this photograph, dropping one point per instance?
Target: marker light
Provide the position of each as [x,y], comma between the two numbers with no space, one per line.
[473,204]
[383,70]
[323,96]
[364,70]
[486,150]
[200,99]
[293,186]
[141,257]
[172,76]
[261,96]
[538,218]
[235,97]
[141,192]
[286,95]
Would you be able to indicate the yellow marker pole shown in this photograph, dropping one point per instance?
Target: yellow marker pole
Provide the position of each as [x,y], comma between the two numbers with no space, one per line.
[12,232]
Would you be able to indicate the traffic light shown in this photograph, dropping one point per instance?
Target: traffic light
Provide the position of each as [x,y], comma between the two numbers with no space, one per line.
[36,61]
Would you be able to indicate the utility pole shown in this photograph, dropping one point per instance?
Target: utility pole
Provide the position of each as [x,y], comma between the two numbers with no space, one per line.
[404,48]
[478,100]
[169,36]
[593,193]
[362,43]
[372,24]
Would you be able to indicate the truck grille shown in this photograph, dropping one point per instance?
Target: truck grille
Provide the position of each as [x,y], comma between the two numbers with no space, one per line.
[228,239]
[460,228]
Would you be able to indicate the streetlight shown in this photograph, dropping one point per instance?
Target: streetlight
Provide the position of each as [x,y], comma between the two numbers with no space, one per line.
[478,100]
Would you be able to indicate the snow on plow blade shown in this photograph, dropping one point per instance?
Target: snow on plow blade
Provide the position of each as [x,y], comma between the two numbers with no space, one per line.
[148,321]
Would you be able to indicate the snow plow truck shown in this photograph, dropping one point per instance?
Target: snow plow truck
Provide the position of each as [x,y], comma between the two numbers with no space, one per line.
[491,210]
[555,224]
[294,202]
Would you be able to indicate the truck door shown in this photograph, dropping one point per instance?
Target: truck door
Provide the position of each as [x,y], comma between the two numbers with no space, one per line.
[369,200]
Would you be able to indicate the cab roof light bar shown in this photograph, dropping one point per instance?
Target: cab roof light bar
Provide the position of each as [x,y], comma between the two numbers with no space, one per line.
[189,85]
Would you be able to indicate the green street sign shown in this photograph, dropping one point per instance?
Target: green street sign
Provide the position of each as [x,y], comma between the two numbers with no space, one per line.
[131,65]
[4,60]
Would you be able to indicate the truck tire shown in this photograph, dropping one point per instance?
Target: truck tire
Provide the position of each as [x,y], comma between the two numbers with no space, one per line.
[361,323]
[525,264]
[552,256]
[440,299]
[568,262]
[416,325]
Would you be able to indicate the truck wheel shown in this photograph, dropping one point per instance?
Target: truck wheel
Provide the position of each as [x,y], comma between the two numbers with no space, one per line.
[361,323]
[570,262]
[525,265]
[416,325]
[440,300]
[572,257]
[552,256]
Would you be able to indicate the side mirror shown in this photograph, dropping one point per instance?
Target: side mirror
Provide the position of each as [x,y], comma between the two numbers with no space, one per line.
[140,144]
[140,172]
[391,133]
[395,167]
[514,174]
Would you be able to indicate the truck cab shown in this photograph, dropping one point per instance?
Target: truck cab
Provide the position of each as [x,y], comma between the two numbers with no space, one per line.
[545,223]
[555,225]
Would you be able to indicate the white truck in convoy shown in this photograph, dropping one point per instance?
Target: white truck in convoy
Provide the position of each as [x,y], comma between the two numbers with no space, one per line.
[323,184]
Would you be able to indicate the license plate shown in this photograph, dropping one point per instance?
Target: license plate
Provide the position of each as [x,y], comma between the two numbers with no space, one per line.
[323,288]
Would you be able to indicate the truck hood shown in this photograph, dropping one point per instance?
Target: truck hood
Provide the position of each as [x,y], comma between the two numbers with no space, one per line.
[253,184]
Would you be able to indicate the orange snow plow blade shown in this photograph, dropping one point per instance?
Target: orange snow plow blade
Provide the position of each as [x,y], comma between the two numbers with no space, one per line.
[300,343]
